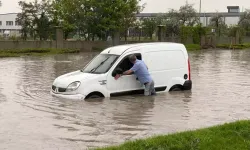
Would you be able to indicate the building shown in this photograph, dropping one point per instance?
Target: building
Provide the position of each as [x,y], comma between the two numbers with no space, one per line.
[9,26]
[233,9]
[230,18]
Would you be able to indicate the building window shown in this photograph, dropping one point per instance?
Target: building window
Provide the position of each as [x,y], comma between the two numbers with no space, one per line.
[17,23]
[234,10]
[9,23]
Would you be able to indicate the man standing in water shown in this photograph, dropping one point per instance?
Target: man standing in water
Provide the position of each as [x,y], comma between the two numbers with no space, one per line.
[141,71]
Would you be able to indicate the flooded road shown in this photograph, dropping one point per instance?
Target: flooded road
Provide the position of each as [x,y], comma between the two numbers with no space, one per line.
[30,118]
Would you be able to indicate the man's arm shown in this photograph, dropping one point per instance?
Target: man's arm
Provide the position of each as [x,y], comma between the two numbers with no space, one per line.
[128,72]
[132,70]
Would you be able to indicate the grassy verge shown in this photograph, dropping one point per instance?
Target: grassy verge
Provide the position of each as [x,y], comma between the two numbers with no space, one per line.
[230,136]
[35,51]
[192,47]
[236,46]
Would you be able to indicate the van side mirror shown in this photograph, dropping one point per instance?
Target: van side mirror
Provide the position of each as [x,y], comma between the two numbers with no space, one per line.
[117,71]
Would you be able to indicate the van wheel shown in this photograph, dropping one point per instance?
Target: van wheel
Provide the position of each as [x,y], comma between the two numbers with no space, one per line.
[94,95]
[176,88]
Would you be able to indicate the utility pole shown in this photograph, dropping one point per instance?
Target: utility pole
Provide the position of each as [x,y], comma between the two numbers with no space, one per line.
[200,22]
[200,13]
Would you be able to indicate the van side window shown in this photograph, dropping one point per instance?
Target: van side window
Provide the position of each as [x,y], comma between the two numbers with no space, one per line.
[126,64]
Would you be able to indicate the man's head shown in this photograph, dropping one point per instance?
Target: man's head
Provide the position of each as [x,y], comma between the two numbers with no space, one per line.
[132,58]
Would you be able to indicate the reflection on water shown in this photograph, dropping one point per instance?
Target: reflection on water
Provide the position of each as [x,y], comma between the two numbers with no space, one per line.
[30,117]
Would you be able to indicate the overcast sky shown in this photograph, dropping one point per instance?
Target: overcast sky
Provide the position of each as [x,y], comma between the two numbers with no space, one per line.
[10,6]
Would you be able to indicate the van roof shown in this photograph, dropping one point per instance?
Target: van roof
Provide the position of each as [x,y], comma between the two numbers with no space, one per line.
[120,49]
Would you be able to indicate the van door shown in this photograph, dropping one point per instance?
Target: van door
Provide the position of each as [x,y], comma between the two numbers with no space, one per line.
[127,84]
[164,66]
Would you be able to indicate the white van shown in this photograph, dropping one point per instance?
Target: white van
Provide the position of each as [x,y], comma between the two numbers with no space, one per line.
[168,64]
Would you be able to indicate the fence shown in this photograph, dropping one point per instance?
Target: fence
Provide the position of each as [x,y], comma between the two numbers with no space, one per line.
[94,45]
[82,45]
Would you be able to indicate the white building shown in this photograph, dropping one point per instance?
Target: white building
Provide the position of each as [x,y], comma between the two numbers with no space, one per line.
[231,17]
[9,26]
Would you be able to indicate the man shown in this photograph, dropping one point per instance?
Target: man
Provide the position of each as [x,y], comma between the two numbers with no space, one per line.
[141,71]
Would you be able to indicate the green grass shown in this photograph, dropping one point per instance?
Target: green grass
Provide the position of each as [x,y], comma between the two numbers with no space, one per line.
[35,51]
[230,136]
[192,47]
[236,46]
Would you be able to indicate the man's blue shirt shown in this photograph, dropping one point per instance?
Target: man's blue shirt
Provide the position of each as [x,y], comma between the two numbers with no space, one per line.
[141,71]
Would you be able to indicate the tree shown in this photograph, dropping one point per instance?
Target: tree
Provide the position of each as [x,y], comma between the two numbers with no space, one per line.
[66,13]
[42,21]
[218,23]
[173,23]
[149,25]
[34,19]
[244,21]
[132,8]
[187,15]
[117,15]
[43,26]
[25,18]
[175,19]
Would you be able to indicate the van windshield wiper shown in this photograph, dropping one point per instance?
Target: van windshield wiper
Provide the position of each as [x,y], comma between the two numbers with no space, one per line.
[94,69]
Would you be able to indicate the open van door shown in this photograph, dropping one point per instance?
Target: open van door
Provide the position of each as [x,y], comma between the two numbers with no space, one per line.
[126,84]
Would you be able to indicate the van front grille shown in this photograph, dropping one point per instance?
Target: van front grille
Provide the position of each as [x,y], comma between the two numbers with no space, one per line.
[58,89]
[61,89]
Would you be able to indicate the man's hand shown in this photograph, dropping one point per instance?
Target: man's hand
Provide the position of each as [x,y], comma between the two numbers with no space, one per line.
[124,73]
[117,76]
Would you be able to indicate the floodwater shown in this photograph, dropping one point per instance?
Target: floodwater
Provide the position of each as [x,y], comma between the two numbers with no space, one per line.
[30,118]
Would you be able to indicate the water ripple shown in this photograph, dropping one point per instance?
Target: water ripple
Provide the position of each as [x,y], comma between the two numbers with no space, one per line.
[30,116]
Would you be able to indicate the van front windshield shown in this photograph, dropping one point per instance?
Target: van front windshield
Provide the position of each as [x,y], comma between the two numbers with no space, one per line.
[101,63]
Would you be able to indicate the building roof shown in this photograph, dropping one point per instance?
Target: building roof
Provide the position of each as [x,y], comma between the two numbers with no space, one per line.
[233,7]
[9,14]
[210,14]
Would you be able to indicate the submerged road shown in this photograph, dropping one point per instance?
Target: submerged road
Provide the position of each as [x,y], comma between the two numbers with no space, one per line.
[30,118]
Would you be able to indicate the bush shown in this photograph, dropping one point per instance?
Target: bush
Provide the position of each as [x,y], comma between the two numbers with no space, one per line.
[198,32]
[35,51]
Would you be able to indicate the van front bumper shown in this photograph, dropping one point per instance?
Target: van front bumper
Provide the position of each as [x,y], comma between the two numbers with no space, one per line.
[187,85]
[73,97]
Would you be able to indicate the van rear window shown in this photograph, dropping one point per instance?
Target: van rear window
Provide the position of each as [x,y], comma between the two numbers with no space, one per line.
[165,60]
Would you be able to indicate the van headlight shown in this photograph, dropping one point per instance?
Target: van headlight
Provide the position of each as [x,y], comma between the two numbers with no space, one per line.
[73,86]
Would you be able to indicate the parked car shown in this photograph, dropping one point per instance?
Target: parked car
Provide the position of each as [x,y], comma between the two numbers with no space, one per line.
[168,64]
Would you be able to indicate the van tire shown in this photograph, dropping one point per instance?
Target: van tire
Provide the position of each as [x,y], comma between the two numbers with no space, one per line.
[176,88]
[94,95]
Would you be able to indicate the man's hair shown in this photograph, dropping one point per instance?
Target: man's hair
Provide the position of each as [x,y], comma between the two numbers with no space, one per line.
[132,58]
